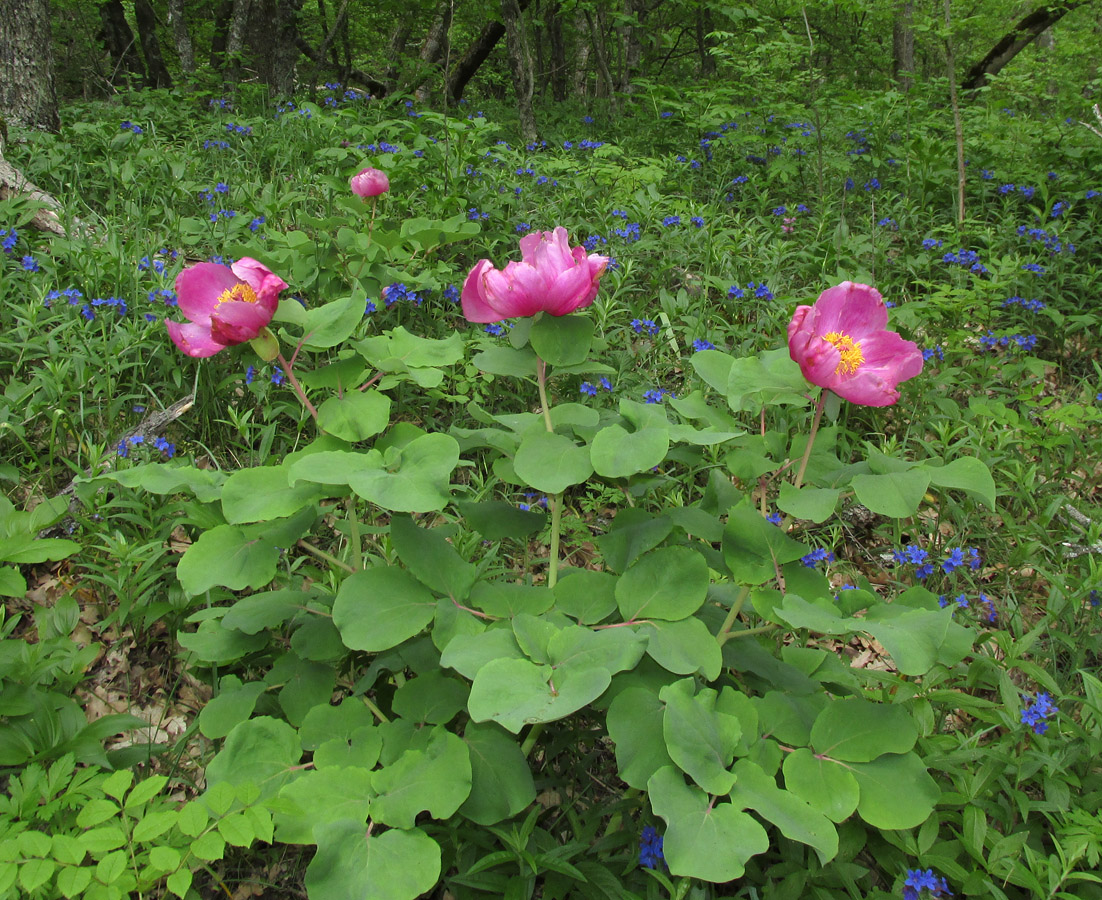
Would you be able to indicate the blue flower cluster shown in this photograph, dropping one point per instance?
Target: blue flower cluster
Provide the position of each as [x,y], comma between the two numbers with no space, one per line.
[167,449]
[1031,305]
[914,555]
[932,243]
[761,291]
[657,395]
[1036,714]
[216,145]
[8,240]
[816,556]
[639,326]
[958,557]
[1035,268]
[629,232]
[590,389]
[72,295]
[970,259]
[130,126]
[650,841]
[1024,342]
[701,344]
[934,352]
[918,881]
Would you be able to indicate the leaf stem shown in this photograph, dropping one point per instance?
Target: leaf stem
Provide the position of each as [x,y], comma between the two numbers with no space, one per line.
[289,372]
[810,439]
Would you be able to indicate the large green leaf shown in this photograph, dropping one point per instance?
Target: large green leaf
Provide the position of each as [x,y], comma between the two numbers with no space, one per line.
[967,474]
[330,324]
[617,453]
[262,751]
[703,839]
[379,608]
[496,519]
[436,779]
[585,595]
[669,583]
[561,340]
[896,791]
[795,818]
[753,547]
[685,647]
[352,864]
[896,494]
[501,780]
[815,504]
[355,415]
[635,726]
[507,361]
[856,730]
[321,797]
[550,462]
[828,786]
[262,494]
[413,478]
[700,739]
[432,560]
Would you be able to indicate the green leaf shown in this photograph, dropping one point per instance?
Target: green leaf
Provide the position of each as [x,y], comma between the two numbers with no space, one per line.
[326,795]
[669,583]
[262,494]
[237,830]
[355,415]
[431,698]
[507,361]
[855,730]
[209,847]
[193,818]
[98,841]
[179,882]
[814,504]
[72,881]
[968,474]
[918,638]
[826,785]
[153,824]
[633,533]
[93,812]
[714,368]
[896,791]
[768,379]
[226,555]
[229,708]
[496,520]
[796,820]
[617,453]
[399,351]
[431,559]
[12,583]
[164,859]
[517,692]
[110,868]
[415,477]
[261,751]
[505,599]
[36,872]
[170,478]
[330,324]
[585,595]
[635,726]
[561,340]
[699,739]
[703,839]
[145,790]
[436,779]
[550,463]
[215,643]
[379,608]
[501,780]
[264,610]
[685,647]
[897,494]
[352,865]
[753,547]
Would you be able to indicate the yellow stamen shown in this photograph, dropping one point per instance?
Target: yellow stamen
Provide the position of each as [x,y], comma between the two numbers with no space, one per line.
[852,357]
[239,292]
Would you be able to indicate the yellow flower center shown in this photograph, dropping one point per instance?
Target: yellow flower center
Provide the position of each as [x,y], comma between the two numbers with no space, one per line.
[852,357]
[239,292]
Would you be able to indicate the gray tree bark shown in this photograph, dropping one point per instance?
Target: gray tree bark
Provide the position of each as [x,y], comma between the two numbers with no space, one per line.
[903,44]
[558,51]
[396,47]
[435,45]
[151,47]
[181,36]
[520,63]
[631,47]
[119,41]
[235,39]
[27,96]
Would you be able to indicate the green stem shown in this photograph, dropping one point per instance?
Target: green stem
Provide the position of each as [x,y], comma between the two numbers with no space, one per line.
[530,741]
[736,607]
[760,629]
[810,439]
[354,535]
[321,554]
[374,709]
[556,499]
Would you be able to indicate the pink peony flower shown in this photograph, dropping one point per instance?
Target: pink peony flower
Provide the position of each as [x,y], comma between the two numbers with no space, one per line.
[550,278]
[841,344]
[369,183]
[225,306]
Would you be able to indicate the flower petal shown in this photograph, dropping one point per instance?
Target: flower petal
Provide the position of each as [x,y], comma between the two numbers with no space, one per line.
[476,305]
[853,309]
[193,339]
[265,283]
[237,321]
[198,288]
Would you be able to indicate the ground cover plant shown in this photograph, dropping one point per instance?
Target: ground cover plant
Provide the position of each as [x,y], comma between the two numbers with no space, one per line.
[684,504]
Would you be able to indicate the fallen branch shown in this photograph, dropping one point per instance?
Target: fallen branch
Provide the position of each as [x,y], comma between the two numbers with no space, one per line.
[14,183]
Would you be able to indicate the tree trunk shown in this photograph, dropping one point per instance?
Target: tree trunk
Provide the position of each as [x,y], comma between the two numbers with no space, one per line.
[396,48]
[703,27]
[119,41]
[376,88]
[328,44]
[581,54]
[235,40]
[222,21]
[434,46]
[476,55]
[1015,41]
[181,36]
[275,45]
[151,47]
[604,79]
[903,44]
[631,47]
[558,51]
[27,95]
[520,63]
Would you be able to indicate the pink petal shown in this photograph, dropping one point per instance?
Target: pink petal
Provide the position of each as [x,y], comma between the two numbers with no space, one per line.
[518,291]
[193,339]
[476,305]
[853,309]
[867,389]
[198,288]
[265,284]
[237,321]
[572,290]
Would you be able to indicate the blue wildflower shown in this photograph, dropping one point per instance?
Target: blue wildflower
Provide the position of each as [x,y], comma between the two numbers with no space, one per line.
[1036,714]
[650,841]
[590,390]
[918,881]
